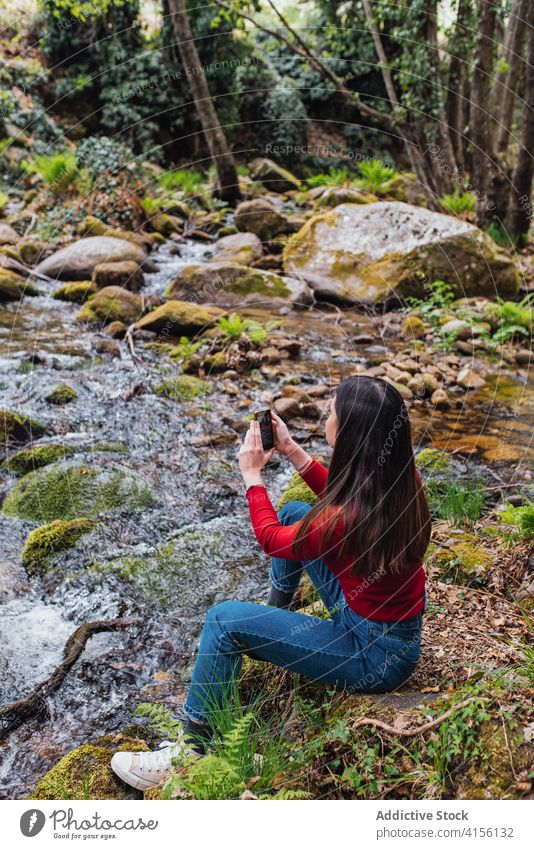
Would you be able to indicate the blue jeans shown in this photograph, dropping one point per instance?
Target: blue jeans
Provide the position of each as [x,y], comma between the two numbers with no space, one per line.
[347,650]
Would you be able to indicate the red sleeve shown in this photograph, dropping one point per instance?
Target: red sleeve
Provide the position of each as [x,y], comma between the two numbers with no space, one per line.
[316,476]
[276,539]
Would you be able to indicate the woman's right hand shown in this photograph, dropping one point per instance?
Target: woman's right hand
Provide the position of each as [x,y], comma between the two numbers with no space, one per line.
[283,441]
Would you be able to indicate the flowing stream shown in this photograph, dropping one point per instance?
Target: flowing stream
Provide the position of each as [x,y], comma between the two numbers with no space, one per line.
[167,564]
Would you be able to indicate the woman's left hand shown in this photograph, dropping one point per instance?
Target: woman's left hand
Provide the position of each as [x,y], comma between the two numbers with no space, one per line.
[252,457]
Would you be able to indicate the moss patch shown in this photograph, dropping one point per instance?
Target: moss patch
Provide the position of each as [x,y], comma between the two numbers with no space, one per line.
[76,293]
[15,427]
[70,491]
[61,394]
[297,490]
[85,773]
[490,776]
[50,539]
[463,561]
[112,303]
[433,460]
[185,387]
[30,459]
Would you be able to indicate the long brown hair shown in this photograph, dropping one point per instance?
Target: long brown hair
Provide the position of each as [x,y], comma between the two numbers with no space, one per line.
[372,482]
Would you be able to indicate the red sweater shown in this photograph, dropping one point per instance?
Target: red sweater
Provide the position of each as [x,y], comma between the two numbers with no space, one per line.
[388,598]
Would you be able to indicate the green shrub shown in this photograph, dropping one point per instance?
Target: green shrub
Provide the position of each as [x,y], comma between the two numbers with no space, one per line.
[458,202]
[376,177]
[520,521]
[58,171]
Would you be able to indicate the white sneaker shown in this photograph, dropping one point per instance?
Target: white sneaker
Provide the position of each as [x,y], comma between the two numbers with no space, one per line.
[146,769]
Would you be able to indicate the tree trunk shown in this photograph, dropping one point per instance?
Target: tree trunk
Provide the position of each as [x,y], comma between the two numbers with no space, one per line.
[447,168]
[456,105]
[485,172]
[227,180]
[520,207]
[505,87]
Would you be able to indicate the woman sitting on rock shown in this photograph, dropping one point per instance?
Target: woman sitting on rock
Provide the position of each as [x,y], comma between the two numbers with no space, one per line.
[362,546]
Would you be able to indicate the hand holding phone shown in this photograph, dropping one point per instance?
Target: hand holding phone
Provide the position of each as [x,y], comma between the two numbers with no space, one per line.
[264,419]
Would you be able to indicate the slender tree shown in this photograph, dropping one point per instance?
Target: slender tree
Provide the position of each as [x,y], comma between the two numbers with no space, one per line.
[227,180]
[507,79]
[520,207]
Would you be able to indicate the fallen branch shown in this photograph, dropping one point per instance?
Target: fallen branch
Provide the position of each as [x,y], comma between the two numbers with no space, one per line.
[131,345]
[15,714]
[413,732]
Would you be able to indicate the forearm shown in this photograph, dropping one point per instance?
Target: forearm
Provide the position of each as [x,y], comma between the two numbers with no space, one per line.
[297,456]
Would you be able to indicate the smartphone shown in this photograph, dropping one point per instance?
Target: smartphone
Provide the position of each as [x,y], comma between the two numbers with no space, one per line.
[263,417]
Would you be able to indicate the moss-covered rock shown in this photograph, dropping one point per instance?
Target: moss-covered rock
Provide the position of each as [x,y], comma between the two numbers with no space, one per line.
[178,318]
[261,218]
[185,387]
[85,773]
[464,561]
[297,490]
[273,176]
[68,491]
[61,394]
[240,248]
[370,253]
[30,251]
[15,427]
[11,286]
[413,326]
[50,539]
[229,283]
[76,293]
[30,459]
[433,460]
[166,224]
[126,274]
[112,303]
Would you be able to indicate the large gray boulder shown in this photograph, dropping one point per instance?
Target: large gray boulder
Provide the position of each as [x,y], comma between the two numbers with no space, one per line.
[77,261]
[229,284]
[374,252]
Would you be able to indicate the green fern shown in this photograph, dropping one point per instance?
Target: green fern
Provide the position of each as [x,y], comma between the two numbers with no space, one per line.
[376,178]
[160,719]
[458,202]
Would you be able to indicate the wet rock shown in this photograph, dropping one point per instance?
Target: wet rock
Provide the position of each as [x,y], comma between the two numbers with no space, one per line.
[8,236]
[469,379]
[30,252]
[73,490]
[374,252]
[166,224]
[269,263]
[75,293]
[77,261]
[287,408]
[431,382]
[17,428]
[260,217]
[11,286]
[273,176]
[363,339]
[109,347]
[117,330]
[85,773]
[440,399]
[44,542]
[29,459]
[60,395]
[112,304]
[416,384]
[126,274]
[405,393]
[458,328]
[231,284]
[413,326]
[240,248]
[179,318]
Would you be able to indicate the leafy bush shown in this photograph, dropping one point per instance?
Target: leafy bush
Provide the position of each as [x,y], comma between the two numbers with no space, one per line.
[376,177]
[188,181]
[58,171]
[234,327]
[458,202]
[100,155]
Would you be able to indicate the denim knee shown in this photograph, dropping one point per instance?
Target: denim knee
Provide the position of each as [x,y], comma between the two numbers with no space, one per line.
[222,614]
[293,511]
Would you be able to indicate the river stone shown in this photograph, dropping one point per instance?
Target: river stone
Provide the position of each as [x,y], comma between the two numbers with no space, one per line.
[179,318]
[85,773]
[242,248]
[77,261]
[75,293]
[469,379]
[112,304]
[231,284]
[377,251]
[18,428]
[273,176]
[8,236]
[126,274]
[71,490]
[11,286]
[260,217]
